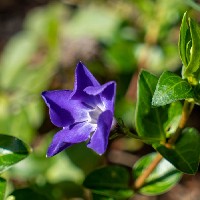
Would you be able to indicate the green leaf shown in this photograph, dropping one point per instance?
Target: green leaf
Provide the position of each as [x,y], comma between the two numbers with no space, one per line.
[149,120]
[185,154]
[100,197]
[189,45]
[162,179]
[116,194]
[170,88]
[184,38]
[111,181]
[28,193]
[174,116]
[108,23]
[2,188]
[16,55]
[193,65]
[12,150]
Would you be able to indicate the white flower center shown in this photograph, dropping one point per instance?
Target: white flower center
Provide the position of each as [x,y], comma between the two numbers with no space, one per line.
[94,114]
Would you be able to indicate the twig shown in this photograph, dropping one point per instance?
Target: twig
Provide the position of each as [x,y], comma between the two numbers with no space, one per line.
[187,109]
[141,179]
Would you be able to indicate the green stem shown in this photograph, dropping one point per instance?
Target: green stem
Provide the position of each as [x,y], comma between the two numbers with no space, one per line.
[187,109]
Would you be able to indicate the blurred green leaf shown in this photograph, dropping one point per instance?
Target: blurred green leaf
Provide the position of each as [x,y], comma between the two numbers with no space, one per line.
[28,193]
[185,154]
[95,21]
[81,161]
[193,4]
[125,110]
[120,60]
[54,170]
[111,181]
[113,194]
[44,23]
[61,190]
[27,65]
[15,57]
[12,150]
[149,121]
[2,188]
[162,179]
[170,88]
[101,197]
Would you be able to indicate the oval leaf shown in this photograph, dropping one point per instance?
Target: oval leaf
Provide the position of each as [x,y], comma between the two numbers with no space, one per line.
[193,65]
[174,116]
[149,121]
[111,181]
[184,38]
[185,154]
[2,188]
[162,179]
[170,88]
[12,150]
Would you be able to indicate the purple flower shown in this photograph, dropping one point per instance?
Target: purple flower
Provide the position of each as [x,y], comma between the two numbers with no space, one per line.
[85,113]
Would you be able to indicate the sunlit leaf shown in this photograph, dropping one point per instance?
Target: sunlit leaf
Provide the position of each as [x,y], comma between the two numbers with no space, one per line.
[12,150]
[184,39]
[162,179]
[174,116]
[170,88]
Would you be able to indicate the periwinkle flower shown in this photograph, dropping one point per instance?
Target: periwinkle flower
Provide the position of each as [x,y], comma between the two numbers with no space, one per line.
[85,113]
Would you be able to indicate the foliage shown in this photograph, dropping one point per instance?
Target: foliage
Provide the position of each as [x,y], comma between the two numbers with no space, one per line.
[115,40]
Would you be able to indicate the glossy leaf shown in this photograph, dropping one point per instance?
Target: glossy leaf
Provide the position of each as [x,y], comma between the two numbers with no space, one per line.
[149,120]
[170,88]
[2,188]
[193,65]
[12,150]
[184,39]
[162,179]
[111,181]
[174,116]
[185,154]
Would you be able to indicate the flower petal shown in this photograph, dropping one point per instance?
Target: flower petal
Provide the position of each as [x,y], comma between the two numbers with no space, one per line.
[83,79]
[63,111]
[68,136]
[106,92]
[99,139]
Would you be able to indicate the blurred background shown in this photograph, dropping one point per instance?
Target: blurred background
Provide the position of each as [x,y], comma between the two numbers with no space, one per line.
[41,41]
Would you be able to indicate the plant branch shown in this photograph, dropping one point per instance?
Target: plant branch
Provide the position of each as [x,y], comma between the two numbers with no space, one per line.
[187,109]
[141,179]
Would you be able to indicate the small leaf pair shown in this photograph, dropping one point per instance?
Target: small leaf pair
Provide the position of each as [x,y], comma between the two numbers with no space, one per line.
[114,182]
